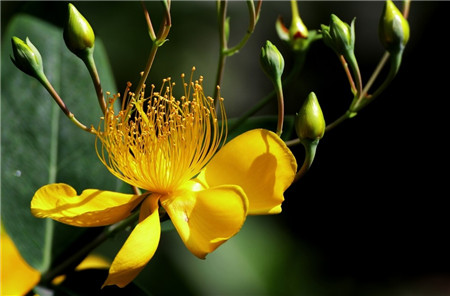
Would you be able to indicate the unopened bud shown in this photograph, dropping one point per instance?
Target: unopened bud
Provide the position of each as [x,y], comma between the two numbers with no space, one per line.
[26,57]
[78,33]
[309,121]
[393,28]
[339,36]
[272,61]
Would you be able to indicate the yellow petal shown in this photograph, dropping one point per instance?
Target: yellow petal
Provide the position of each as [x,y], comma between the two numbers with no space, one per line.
[94,261]
[206,219]
[92,208]
[17,277]
[259,162]
[139,248]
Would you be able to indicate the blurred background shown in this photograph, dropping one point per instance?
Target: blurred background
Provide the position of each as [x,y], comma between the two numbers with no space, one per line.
[371,217]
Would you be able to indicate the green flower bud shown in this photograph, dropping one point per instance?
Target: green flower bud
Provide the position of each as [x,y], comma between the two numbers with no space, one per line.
[78,34]
[297,34]
[339,36]
[26,57]
[272,61]
[393,28]
[309,121]
[298,28]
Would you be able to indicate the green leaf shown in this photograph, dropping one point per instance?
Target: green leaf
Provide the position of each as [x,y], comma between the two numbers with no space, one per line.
[40,145]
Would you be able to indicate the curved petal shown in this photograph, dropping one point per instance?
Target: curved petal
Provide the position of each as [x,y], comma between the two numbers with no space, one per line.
[17,277]
[92,208]
[259,162]
[139,247]
[206,219]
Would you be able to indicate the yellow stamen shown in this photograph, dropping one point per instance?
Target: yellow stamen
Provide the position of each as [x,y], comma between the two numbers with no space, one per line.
[158,143]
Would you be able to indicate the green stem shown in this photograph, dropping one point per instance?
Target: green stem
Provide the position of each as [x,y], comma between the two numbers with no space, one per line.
[356,73]
[44,81]
[280,99]
[296,69]
[338,121]
[222,17]
[160,39]
[395,61]
[151,31]
[376,72]
[148,66]
[310,153]
[88,60]
[224,50]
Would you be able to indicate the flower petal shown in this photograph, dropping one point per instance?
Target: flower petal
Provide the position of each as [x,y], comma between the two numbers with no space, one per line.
[206,219]
[259,162]
[17,277]
[139,247]
[92,208]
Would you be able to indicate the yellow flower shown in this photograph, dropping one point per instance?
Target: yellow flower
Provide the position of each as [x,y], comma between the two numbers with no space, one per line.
[170,148]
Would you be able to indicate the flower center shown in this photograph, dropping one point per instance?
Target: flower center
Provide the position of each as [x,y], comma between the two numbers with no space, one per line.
[158,143]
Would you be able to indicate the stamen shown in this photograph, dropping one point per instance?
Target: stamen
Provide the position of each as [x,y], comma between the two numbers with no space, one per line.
[168,141]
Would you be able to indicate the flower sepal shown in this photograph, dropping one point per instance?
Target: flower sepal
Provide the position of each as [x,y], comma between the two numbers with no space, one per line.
[27,58]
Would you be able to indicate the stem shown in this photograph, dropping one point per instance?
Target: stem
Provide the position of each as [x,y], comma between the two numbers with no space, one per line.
[310,152]
[160,39]
[222,15]
[279,91]
[348,73]
[395,61]
[338,121]
[296,69]
[355,69]
[149,22]
[406,6]
[224,50]
[375,73]
[44,81]
[253,17]
[148,66]
[88,60]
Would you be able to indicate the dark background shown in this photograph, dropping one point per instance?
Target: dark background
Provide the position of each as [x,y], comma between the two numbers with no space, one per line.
[374,207]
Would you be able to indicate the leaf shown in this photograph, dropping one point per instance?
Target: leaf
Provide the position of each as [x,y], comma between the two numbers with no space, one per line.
[40,145]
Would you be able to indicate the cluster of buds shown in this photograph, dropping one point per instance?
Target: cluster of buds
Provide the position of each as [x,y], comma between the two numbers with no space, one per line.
[78,35]
[79,38]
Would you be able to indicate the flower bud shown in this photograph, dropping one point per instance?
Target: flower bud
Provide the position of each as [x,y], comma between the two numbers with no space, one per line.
[272,61]
[78,34]
[26,57]
[309,121]
[297,33]
[339,36]
[393,28]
